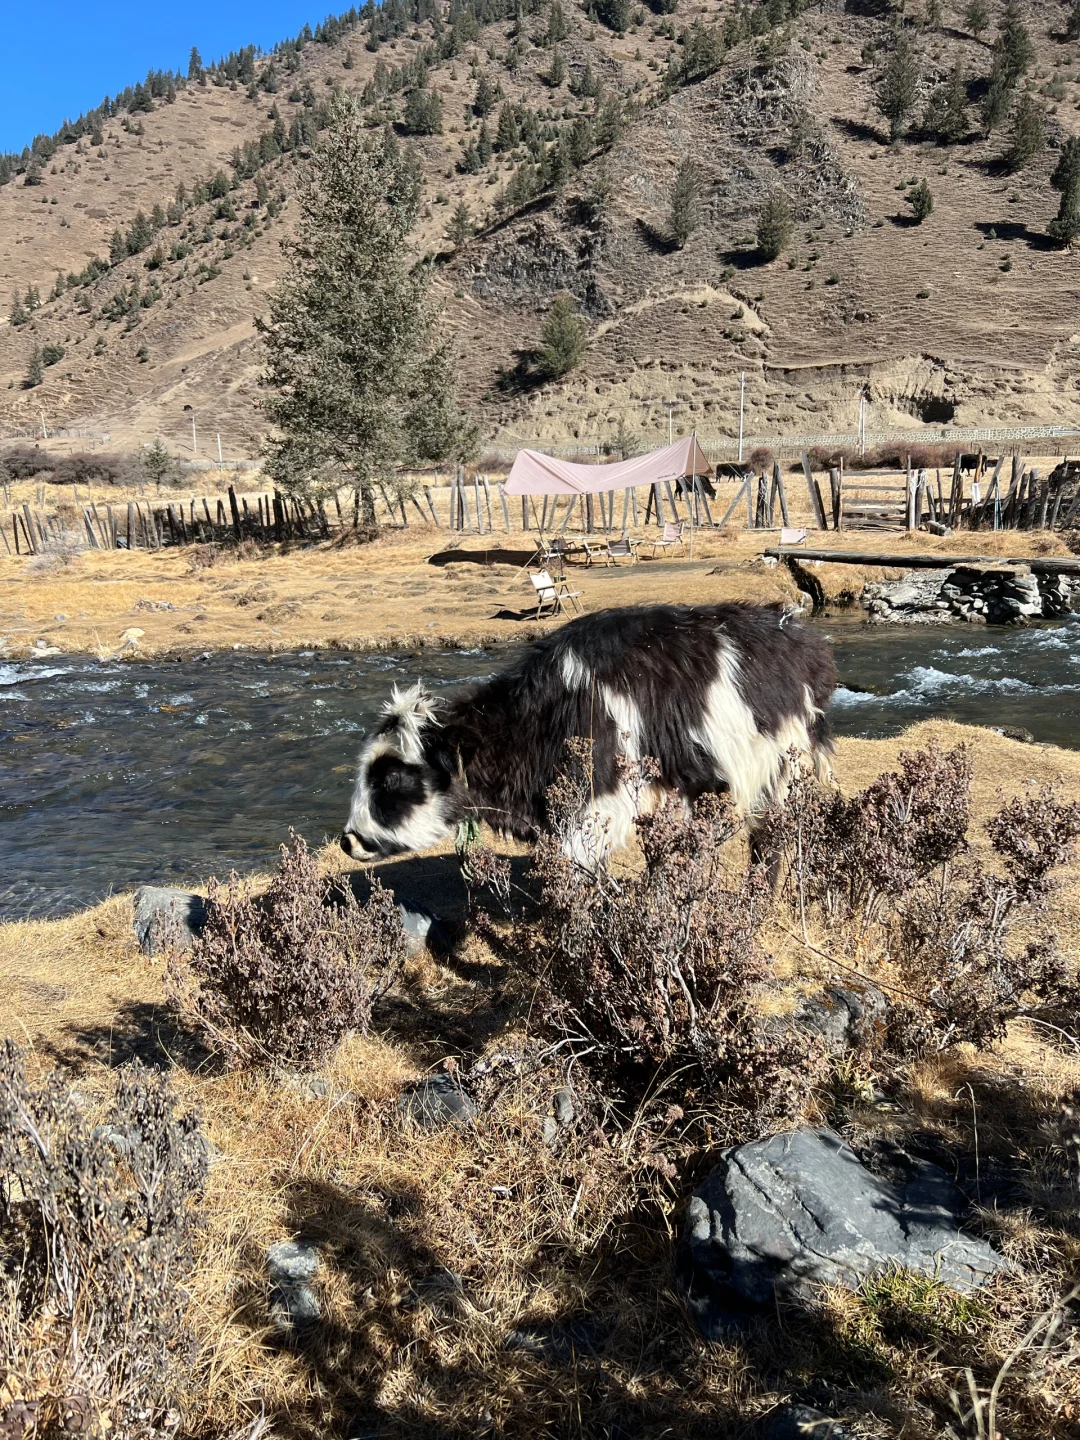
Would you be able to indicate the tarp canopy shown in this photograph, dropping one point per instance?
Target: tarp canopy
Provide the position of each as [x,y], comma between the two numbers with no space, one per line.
[536,474]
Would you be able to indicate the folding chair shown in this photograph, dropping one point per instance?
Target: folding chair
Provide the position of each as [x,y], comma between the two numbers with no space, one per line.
[672,536]
[621,549]
[550,594]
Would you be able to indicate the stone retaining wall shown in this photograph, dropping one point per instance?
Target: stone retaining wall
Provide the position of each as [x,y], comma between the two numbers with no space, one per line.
[990,594]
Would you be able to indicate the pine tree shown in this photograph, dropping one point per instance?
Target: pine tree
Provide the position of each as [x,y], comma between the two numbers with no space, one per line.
[507,135]
[194,65]
[977,17]
[423,113]
[557,73]
[775,226]
[460,227]
[357,381]
[484,148]
[615,14]
[1013,44]
[1027,133]
[35,371]
[1066,179]
[556,30]
[17,314]
[995,103]
[562,340]
[1072,24]
[898,84]
[685,202]
[946,114]
[157,463]
[486,96]
[921,201]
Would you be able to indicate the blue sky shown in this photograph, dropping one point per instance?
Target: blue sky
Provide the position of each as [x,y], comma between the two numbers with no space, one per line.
[59,58]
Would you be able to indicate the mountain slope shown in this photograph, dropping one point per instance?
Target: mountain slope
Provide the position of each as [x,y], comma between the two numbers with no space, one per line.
[970,315]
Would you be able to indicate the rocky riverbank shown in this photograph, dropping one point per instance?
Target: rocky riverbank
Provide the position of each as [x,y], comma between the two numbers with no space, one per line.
[990,594]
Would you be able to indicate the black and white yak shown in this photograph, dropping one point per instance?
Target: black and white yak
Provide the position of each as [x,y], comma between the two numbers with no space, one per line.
[717,695]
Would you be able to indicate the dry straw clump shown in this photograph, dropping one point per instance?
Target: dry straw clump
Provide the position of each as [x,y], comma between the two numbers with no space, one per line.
[282,978]
[96,1250]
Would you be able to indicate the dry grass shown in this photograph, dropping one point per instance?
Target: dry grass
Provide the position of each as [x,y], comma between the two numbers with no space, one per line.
[437,1248]
[406,589]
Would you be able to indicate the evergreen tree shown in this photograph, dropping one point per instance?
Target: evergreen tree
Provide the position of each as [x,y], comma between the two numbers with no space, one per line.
[1072,24]
[557,73]
[1027,133]
[423,112]
[921,201]
[562,340]
[1013,44]
[977,17]
[898,84]
[35,371]
[775,226]
[995,103]
[615,14]
[33,298]
[157,464]
[484,148]
[946,114]
[685,202]
[556,30]
[194,65]
[460,227]
[486,96]
[933,16]
[507,135]
[356,380]
[1066,179]
[17,314]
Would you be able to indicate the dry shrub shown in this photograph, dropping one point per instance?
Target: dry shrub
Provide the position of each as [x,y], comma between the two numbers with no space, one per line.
[889,863]
[650,977]
[883,457]
[96,1232]
[281,979]
[761,459]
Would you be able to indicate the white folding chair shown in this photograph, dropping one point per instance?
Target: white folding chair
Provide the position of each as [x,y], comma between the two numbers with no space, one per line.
[550,594]
[672,536]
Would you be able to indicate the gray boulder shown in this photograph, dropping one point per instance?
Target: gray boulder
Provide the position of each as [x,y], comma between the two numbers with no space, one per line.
[424,930]
[778,1217]
[841,1017]
[166,918]
[436,1101]
[293,1266]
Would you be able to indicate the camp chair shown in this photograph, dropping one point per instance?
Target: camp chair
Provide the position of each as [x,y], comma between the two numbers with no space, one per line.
[672,536]
[592,550]
[621,549]
[554,553]
[551,594]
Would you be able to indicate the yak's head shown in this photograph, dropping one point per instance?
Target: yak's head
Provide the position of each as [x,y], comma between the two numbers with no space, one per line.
[406,796]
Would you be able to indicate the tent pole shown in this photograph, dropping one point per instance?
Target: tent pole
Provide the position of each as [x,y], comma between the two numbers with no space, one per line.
[693,492]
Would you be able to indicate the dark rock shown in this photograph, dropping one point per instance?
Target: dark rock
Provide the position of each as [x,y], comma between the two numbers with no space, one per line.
[1017,732]
[802,1422]
[559,1342]
[167,918]
[842,1018]
[424,930]
[292,1266]
[436,1101]
[778,1217]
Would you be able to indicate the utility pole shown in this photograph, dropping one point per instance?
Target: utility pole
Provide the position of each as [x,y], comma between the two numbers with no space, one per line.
[44,432]
[862,422]
[219,448]
[670,407]
[742,410]
[194,446]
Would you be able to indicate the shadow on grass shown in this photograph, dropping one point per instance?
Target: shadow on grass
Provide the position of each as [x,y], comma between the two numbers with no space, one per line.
[495,556]
[1009,230]
[139,1030]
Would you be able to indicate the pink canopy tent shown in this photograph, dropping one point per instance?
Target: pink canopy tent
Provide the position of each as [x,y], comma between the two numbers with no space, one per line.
[536,474]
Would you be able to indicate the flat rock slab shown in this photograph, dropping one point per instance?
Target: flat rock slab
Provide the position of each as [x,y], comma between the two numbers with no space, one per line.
[437,1101]
[167,919]
[781,1216]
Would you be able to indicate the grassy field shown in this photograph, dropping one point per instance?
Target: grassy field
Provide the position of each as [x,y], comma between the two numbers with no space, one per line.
[406,589]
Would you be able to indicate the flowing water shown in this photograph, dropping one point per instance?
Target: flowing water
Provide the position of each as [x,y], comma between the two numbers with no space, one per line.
[116,774]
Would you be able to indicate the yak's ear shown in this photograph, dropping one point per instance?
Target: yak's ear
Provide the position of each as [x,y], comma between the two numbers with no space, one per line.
[407,712]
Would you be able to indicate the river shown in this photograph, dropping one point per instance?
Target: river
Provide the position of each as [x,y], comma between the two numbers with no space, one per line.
[116,774]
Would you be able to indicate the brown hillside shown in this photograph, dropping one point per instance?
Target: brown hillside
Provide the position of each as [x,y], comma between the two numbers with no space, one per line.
[993,340]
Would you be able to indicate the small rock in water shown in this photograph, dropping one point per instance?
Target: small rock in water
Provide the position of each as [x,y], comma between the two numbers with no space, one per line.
[781,1216]
[167,918]
[436,1101]
[292,1266]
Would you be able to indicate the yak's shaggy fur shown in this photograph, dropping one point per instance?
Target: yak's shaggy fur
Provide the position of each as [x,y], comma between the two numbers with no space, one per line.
[716,695]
